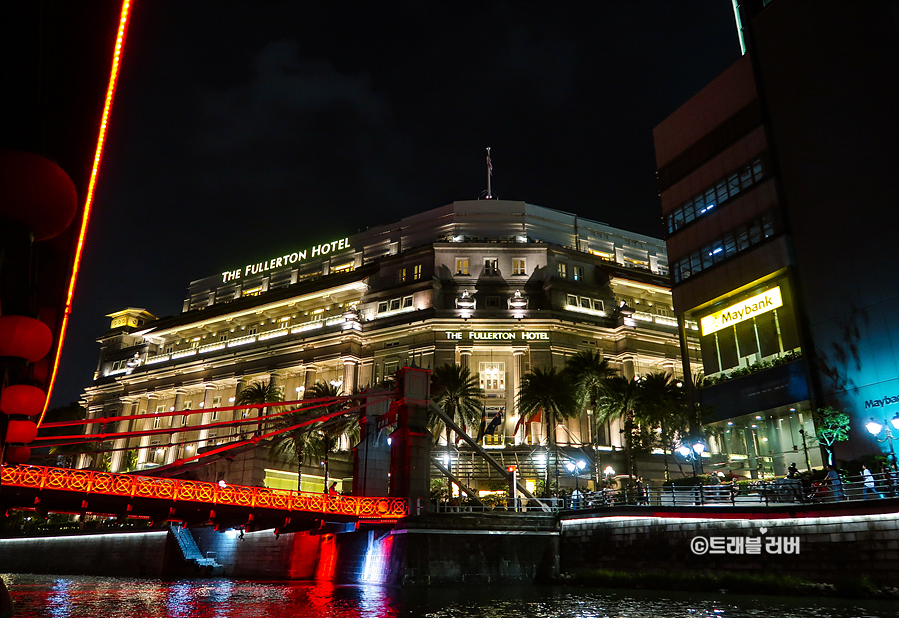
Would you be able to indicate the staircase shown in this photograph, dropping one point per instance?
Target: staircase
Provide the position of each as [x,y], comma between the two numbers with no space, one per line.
[189,549]
[471,467]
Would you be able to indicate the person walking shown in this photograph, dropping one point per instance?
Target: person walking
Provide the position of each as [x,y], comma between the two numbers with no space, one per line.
[641,492]
[836,484]
[868,479]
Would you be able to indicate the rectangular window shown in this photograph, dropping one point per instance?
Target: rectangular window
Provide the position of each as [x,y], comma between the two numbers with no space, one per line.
[519,267]
[713,196]
[585,303]
[401,275]
[563,270]
[578,272]
[597,305]
[416,272]
[492,376]
[491,267]
[395,304]
[572,300]
[407,302]
[157,422]
[461,266]
[382,306]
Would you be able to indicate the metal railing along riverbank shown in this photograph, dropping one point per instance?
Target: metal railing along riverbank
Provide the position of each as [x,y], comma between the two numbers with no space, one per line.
[755,493]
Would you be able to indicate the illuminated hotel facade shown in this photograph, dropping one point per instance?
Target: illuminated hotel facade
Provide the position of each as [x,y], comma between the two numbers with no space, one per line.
[762,201]
[498,286]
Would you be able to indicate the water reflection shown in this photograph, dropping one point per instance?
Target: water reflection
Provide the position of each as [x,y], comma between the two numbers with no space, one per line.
[58,601]
[83,597]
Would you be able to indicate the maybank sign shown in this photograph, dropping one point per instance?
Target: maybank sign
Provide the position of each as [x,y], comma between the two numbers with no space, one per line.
[285,260]
[749,308]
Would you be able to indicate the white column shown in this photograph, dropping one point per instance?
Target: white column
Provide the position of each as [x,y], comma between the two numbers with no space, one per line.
[127,408]
[514,387]
[301,384]
[173,451]
[349,374]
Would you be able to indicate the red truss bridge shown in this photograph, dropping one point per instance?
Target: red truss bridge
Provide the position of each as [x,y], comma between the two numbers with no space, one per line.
[193,502]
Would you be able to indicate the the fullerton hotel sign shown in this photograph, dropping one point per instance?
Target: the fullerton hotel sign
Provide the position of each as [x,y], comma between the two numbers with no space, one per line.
[285,260]
[481,335]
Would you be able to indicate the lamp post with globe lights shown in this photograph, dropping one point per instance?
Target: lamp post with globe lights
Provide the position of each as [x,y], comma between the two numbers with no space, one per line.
[694,455]
[874,428]
[575,468]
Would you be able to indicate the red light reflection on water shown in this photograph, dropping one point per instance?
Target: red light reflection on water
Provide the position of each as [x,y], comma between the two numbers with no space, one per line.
[40,596]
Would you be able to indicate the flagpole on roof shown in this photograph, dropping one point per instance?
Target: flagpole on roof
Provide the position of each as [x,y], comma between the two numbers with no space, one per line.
[489,174]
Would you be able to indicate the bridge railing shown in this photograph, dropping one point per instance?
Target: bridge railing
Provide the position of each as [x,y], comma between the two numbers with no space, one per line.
[127,485]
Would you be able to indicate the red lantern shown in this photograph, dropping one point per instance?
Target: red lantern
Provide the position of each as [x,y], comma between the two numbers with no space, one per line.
[22,399]
[17,454]
[24,337]
[21,432]
[36,192]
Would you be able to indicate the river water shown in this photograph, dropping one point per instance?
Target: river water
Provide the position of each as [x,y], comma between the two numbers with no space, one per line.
[48,596]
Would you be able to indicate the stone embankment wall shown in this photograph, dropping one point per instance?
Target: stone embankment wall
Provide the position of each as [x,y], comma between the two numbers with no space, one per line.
[482,549]
[829,548]
[128,554]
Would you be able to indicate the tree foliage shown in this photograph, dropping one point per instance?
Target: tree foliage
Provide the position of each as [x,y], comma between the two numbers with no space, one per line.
[457,393]
[324,439]
[831,426]
[549,393]
[586,370]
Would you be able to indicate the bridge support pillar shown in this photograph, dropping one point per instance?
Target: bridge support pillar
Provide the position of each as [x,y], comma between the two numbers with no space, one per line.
[410,450]
[371,457]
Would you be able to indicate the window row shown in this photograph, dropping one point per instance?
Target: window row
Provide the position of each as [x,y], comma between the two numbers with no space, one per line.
[720,192]
[583,302]
[730,244]
[395,304]
[491,266]
[403,274]
[577,272]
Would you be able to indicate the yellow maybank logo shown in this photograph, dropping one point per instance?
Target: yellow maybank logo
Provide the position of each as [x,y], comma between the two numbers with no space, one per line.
[749,308]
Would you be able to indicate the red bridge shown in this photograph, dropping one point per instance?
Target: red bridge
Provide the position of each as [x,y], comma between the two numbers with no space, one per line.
[192,502]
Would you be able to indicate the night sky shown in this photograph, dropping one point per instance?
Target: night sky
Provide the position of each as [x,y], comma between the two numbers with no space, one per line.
[241,129]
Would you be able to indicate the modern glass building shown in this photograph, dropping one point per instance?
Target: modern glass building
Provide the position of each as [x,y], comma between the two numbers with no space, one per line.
[778,183]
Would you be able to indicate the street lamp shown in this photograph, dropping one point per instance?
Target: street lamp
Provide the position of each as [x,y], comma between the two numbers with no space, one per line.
[575,468]
[693,454]
[874,429]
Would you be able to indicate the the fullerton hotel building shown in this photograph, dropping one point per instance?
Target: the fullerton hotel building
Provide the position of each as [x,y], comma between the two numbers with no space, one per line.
[498,286]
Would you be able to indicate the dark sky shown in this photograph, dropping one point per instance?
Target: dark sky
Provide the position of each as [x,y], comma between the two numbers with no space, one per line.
[243,128]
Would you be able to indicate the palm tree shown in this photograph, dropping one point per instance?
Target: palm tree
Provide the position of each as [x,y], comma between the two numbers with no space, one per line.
[617,399]
[69,452]
[292,444]
[587,370]
[325,438]
[258,393]
[457,393]
[548,393]
[661,404]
